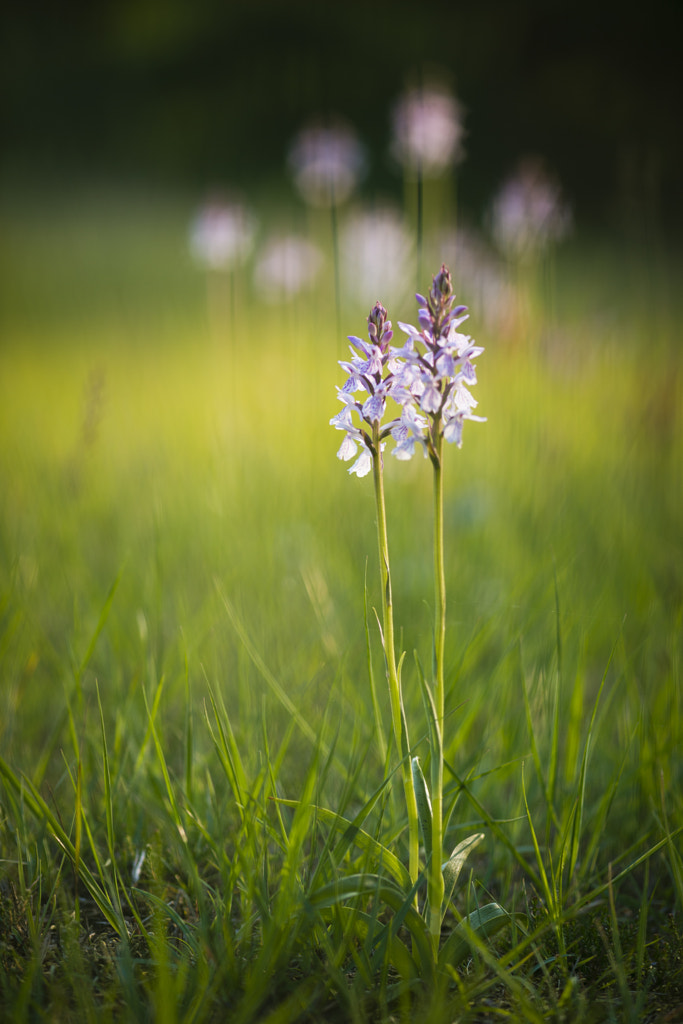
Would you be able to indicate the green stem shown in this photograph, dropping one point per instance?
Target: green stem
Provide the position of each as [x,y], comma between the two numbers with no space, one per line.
[435,882]
[396,701]
[439,580]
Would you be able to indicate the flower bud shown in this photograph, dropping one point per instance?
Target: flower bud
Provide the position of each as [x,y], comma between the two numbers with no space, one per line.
[426,319]
[442,288]
[376,320]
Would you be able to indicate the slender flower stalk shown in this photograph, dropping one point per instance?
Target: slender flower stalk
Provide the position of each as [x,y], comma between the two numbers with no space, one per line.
[393,676]
[372,370]
[439,581]
[428,378]
[437,369]
[436,881]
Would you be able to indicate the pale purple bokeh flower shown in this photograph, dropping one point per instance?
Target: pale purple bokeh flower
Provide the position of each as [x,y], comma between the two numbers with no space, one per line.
[376,255]
[529,212]
[326,164]
[289,264]
[222,234]
[428,131]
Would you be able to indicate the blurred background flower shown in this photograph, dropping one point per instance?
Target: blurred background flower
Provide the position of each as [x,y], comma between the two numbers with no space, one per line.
[285,267]
[172,95]
[376,256]
[326,163]
[480,280]
[529,212]
[428,131]
[222,234]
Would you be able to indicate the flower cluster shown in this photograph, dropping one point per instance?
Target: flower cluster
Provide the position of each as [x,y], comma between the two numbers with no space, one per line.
[437,369]
[371,369]
[427,378]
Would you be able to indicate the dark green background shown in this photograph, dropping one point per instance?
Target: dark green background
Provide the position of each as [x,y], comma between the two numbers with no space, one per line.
[180,92]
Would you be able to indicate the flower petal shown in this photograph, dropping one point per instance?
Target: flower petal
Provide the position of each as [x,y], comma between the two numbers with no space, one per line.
[431,398]
[363,464]
[445,365]
[412,332]
[373,408]
[405,451]
[348,449]
[452,431]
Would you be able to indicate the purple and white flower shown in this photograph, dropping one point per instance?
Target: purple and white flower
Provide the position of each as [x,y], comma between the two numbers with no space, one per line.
[372,369]
[408,432]
[438,367]
[428,377]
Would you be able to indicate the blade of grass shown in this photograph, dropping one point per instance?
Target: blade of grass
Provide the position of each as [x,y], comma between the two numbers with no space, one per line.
[264,671]
[42,812]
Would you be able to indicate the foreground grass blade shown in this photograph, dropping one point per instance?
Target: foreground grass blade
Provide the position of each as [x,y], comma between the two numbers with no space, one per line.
[265,672]
[104,615]
[577,822]
[366,929]
[478,926]
[25,790]
[353,886]
[354,835]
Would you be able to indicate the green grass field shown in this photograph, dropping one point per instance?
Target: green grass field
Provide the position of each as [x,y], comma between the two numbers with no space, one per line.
[183,645]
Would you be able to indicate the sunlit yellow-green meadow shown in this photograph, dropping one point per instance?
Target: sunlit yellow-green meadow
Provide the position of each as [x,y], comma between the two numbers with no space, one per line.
[193,703]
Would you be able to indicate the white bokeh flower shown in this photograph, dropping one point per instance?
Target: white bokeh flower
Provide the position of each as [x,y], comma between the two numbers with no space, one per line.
[222,234]
[376,255]
[288,265]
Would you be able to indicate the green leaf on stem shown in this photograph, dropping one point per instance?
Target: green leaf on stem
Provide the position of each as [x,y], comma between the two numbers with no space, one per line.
[480,925]
[353,834]
[455,863]
[424,806]
[354,886]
